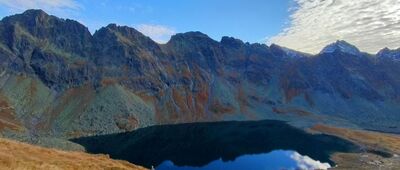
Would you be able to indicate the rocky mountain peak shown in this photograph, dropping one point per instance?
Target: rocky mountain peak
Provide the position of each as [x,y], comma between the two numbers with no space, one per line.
[114,34]
[31,18]
[42,25]
[231,42]
[341,46]
[283,51]
[192,37]
[35,12]
[388,53]
[123,29]
[41,29]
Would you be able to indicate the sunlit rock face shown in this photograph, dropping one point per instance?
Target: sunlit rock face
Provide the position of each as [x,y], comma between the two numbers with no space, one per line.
[63,81]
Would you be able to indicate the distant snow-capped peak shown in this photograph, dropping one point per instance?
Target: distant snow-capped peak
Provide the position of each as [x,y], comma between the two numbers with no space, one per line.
[342,46]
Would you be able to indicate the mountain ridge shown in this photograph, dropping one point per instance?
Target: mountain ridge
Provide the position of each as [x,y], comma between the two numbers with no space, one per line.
[35,12]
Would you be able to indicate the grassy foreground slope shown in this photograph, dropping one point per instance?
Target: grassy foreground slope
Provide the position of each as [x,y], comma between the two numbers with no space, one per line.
[370,140]
[16,155]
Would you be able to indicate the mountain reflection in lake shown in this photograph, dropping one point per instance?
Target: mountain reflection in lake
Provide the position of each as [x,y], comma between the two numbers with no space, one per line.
[199,144]
[274,160]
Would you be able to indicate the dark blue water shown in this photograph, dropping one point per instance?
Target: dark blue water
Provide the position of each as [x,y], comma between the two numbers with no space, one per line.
[232,145]
[275,160]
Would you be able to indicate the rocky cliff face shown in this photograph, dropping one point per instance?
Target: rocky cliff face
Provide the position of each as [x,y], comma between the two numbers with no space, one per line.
[56,79]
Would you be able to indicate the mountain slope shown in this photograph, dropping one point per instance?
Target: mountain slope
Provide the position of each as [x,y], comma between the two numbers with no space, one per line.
[15,155]
[58,80]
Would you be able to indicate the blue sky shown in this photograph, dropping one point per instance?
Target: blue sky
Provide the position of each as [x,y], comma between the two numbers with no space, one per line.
[304,25]
[238,18]
[248,21]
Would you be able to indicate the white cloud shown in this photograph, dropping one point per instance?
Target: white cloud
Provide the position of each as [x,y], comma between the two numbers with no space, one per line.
[369,24]
[47,5]
[305,162]
[158,33]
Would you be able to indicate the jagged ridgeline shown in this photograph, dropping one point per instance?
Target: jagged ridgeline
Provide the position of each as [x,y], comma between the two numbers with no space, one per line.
[59,80]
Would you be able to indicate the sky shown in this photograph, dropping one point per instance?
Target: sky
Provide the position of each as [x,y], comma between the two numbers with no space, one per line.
[303,25]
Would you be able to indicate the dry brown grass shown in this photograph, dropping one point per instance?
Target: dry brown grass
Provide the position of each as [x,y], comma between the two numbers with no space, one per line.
[20,156]
[7,118]
[365,161]
[367,138]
